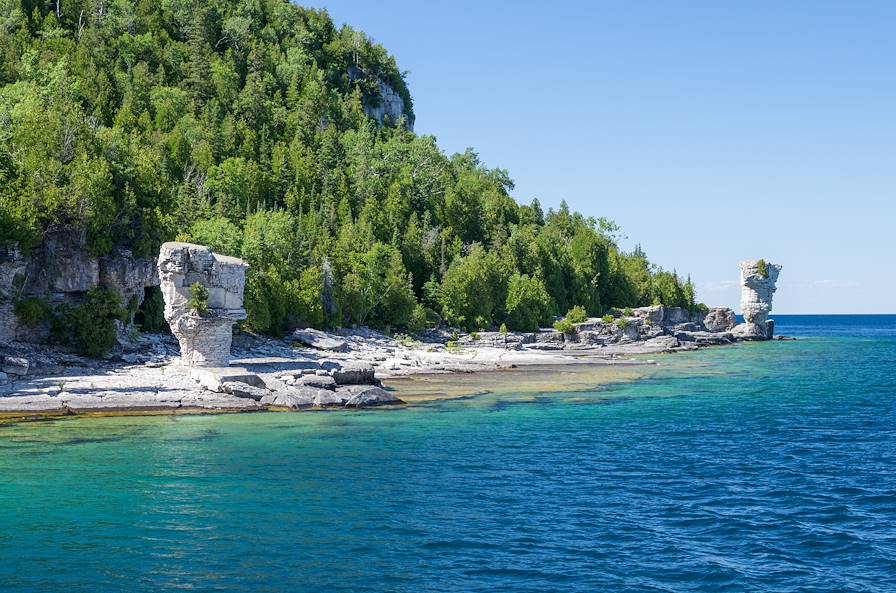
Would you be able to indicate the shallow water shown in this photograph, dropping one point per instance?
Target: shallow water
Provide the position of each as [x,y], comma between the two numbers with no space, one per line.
[760,467]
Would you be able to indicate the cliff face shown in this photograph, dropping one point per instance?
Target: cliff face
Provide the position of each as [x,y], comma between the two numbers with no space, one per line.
[390,107]
[758,281]
[60,271]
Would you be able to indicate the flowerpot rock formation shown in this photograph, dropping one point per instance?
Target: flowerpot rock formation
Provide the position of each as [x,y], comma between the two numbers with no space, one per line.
[757,280]
[204,338]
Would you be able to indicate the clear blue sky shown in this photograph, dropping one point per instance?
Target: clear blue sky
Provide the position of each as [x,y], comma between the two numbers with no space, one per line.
[710,131]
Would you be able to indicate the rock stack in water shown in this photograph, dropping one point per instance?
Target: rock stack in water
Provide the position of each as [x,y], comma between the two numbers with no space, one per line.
[205,333]
[757,280]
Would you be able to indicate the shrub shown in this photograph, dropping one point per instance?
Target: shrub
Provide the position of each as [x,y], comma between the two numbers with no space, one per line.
[607,318]
[198,299]
[31,312]
[90,327]
[628,312]
[218,234]
[577,314]
[564,326]
[474,336]
[503,329]
[452,347]
[622,323]
[762,268]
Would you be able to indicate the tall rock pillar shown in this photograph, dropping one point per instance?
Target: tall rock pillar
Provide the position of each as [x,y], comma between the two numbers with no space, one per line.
[204,336]
[757,281]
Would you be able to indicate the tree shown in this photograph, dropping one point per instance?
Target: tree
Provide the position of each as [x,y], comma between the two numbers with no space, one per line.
[528,303]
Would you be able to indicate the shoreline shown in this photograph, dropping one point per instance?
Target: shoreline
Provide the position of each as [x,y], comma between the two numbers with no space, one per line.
[65,386]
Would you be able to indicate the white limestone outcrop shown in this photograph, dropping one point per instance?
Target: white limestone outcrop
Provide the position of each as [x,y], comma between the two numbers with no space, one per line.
[758,281]
[204,339]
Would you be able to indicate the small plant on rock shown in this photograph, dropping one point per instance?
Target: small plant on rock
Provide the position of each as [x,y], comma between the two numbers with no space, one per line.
[622,323]
[607,319]
[762,268]
[198,299]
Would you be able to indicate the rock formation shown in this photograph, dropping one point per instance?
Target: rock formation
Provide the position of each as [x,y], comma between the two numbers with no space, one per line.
[390,107]
[204,338]
[719,319]
[61,271]
[757,280]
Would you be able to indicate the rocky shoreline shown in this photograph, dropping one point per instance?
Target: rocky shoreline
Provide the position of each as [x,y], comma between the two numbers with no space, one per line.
[316,370]
[203,367]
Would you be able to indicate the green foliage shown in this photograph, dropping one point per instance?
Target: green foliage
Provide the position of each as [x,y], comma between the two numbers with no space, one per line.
[762,268]
[577,314]
[565,326]
[241,125]
[528,303]
[622,323]
[475,336]
[32,312]
[628,312]
[218,234]
[608,319]
[90,327]
[503,329]
[198,300]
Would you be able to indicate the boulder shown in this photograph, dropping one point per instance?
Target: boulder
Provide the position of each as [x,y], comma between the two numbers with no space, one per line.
[368,397]
[317,381]
[719,319]
[293,398]
[14,365]
[653,315]
[214,379]
[356,373]
[244,390]
[319,340]
[4,378]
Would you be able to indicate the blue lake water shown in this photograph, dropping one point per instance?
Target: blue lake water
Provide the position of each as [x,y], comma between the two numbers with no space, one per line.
[758,467]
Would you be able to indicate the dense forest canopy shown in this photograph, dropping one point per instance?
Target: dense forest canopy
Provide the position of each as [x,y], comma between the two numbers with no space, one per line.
[241,124]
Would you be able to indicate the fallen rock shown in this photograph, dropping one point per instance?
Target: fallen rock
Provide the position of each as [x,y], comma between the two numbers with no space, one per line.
[317,381]
[214,379]
[355,374]
[244,390]
[719,319]
[293,398]
[319,340]
[14,365]
[368,397]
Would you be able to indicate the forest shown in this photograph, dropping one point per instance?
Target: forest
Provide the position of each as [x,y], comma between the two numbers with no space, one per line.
[242,125]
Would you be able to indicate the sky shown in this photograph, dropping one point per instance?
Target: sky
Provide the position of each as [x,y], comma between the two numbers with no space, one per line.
[711,132]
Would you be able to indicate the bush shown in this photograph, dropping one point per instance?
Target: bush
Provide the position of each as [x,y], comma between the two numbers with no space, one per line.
[628,312]
[419,320]
[198,299]
[503,329]
[565,326]
[762,268]
[622,323]
[31,312]
[608,319]
[475,336]
[577,314]
[90,327]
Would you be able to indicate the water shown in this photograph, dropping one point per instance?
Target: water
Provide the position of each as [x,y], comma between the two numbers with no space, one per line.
[760,467]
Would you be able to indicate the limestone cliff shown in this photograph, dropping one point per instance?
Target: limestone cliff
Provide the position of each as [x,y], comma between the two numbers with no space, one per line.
[388,106]
[61,271]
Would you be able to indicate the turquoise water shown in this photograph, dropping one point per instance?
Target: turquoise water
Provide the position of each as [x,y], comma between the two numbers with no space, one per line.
[761,467]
